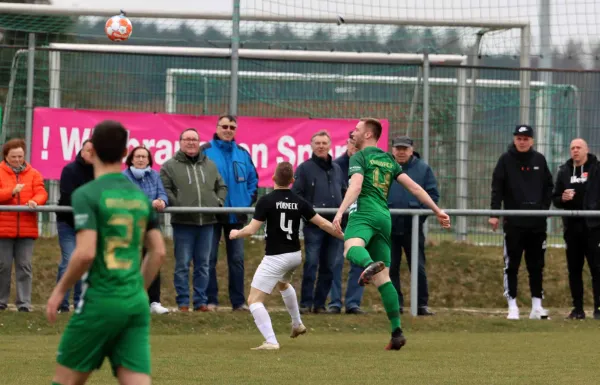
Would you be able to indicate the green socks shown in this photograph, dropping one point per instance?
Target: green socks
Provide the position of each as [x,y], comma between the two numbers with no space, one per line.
[389,297]
[359,256]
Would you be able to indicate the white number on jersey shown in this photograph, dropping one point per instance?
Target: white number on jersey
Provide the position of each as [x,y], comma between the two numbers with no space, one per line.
[285,229]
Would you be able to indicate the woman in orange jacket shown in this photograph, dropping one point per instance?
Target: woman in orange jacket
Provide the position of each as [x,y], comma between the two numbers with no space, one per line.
[20,184]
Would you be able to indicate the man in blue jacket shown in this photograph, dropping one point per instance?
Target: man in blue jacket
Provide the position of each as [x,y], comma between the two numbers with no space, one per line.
[354,291]
[321,183]
[237,170]
[400,198]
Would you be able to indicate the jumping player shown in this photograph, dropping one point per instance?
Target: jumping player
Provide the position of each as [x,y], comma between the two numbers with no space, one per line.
[283,211]
[368,233]
[113,218]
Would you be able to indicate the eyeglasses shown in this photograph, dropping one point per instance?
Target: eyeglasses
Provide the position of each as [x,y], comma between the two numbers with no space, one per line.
[228,127]
[189,140]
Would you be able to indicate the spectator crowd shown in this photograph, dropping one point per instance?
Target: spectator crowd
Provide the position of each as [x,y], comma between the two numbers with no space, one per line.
[220,173]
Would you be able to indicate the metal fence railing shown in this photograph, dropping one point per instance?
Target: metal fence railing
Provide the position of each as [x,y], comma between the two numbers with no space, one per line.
[415,214]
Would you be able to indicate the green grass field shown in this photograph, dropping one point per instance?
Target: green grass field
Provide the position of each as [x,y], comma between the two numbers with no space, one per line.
[213,348]
[469,341]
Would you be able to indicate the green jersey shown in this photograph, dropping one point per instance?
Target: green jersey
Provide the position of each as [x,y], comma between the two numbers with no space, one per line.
[380,170]
[120,213]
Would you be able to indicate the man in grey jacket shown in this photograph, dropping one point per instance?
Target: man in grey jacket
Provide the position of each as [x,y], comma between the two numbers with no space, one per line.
[192,180]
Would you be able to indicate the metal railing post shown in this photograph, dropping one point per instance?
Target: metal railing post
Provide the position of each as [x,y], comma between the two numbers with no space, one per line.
[414,263]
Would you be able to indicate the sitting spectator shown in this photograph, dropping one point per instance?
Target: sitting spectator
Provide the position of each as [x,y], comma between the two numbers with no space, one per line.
[20,184]
[139,171]
[73,175]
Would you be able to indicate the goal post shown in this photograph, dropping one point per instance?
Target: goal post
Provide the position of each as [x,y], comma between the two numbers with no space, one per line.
[463,123]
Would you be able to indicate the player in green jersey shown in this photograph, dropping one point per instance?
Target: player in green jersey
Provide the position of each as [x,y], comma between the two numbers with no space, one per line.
[113,220]
[368,233]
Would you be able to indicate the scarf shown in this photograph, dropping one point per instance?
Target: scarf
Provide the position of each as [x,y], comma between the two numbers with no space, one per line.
[19,169]
[138,173]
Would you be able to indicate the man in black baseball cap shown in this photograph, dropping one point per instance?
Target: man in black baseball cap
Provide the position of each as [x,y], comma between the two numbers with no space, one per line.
[522,181]
[523,130]
[401,198]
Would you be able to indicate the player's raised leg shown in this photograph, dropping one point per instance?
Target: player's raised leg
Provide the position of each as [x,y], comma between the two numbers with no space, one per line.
[355,252]
[256,300]
[288,293]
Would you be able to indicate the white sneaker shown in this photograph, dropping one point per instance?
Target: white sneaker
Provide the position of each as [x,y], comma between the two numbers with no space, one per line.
[157,308]
[513,313]
[266,346]
[297,330]
[539,313]
[211,307]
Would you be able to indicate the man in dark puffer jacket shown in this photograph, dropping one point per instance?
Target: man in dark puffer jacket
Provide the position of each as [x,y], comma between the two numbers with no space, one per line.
[578,188]
[74,175]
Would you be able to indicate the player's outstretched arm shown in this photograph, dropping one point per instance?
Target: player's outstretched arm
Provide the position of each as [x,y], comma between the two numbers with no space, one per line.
[250,229]
[327,226]
[351,196]
[80,262]
[424,198]
[155,256]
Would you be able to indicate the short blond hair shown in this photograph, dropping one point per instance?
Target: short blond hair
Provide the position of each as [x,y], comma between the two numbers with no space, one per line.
[321,133]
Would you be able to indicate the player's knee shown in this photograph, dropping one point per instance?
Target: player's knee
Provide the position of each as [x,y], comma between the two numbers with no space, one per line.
[282,286]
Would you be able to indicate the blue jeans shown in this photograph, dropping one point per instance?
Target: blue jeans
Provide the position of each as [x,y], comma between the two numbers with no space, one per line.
[354,291]
[323,252]
[235,265]
[192,243]
[66,241]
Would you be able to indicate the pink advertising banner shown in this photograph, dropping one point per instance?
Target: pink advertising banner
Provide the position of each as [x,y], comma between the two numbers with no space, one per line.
[58,134]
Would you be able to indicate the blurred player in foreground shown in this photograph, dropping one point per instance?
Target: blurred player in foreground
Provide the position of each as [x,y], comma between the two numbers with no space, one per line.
[113,219]
[368,233]
[283,210]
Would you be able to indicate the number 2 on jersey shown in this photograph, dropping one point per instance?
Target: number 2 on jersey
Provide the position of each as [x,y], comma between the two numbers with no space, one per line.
[286,229]
[382,182]
[115,243]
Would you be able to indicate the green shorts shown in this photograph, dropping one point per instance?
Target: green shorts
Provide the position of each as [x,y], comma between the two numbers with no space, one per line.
[107,328]
[375,230]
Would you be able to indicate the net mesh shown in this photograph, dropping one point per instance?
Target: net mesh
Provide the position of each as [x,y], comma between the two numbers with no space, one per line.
[88,80]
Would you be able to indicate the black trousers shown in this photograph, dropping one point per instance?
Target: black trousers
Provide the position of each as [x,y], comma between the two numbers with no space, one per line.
[533,243]
[582,243]
[154,288]
[404,242]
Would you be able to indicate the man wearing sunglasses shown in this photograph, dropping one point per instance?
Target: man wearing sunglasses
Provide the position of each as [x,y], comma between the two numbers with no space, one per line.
[236,167]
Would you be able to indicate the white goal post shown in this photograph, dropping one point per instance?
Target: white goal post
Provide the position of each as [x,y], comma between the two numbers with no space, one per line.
[463,125]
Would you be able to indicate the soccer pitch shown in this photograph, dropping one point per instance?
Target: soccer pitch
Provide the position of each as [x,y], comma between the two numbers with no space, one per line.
[214,348]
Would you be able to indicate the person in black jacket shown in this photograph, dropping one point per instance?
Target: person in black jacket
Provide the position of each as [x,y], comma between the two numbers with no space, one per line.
[354,292]
[522,181]
[73,175]
[572,191]
[320,182]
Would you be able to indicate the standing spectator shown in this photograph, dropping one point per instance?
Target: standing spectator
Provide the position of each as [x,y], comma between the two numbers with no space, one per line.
[192,180]
[235,166]
[320,182]
[354,291]
[401,198]
[73,175]
[139,170]
[578,188]
[522,181]
[20,185]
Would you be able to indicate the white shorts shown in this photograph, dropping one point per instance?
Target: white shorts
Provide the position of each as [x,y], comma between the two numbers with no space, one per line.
[275,268]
